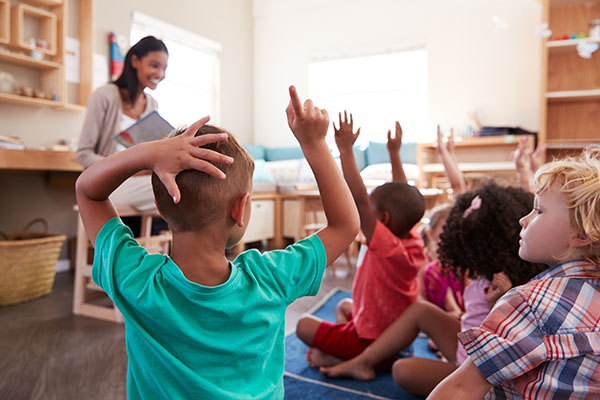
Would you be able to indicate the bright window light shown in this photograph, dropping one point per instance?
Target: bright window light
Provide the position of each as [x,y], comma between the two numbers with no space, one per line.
[190,89]
[378,90]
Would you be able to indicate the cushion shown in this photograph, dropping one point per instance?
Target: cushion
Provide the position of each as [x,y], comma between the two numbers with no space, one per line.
[382,172]
[257,152]
[377,153]
[284,171]
[283,153]
[261,172]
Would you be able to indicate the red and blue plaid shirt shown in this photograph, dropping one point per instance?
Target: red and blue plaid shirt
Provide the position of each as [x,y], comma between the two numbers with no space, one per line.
[542,339]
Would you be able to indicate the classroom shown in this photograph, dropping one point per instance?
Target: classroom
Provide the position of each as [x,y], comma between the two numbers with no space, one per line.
[357,197]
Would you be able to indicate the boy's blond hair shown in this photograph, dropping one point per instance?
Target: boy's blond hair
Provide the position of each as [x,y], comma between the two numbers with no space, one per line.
[579,178]
[204,198]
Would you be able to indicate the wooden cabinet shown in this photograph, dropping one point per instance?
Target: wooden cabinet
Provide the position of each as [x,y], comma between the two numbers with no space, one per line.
[46,20]
[570,89]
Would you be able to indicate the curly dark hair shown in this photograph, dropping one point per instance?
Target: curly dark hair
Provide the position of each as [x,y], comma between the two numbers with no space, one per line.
[486,241]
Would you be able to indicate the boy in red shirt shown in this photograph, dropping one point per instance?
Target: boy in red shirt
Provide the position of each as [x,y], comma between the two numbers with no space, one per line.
[386,282]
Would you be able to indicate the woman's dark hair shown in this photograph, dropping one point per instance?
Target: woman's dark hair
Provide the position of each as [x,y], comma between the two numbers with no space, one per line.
[486,240]
[128,80]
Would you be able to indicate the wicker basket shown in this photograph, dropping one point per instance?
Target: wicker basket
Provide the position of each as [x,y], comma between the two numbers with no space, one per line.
[27,263]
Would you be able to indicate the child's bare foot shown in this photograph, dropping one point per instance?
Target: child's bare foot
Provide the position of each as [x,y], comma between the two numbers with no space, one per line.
[317,358]
[350,369]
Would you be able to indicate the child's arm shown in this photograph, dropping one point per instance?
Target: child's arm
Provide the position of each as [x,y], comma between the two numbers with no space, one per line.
[393,146]
[451,305]
[309,125]
[522,159]
[165,157]
[344,139]
[466,383]
[453,172]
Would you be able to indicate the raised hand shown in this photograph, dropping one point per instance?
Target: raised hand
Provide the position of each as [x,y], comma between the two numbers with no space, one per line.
[394,143]
[537,157]
[522,156]
[345,135]
[308,123]
[185,153]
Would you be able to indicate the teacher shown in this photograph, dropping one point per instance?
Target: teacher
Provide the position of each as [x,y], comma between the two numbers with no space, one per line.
[118,105]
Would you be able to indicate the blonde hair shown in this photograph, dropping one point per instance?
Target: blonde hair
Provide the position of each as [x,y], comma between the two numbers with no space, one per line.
[579,178]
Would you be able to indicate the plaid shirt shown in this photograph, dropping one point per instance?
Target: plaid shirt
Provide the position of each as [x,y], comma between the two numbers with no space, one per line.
[542,339]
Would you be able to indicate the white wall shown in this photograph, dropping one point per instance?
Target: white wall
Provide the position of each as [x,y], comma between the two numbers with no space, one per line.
[471,65]
[229,22]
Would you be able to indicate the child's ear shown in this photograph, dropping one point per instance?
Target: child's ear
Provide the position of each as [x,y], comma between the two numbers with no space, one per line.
[385,217]
[581,241]
[239,206]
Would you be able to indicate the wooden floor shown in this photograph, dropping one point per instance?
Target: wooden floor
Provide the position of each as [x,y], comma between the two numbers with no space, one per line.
[49,353]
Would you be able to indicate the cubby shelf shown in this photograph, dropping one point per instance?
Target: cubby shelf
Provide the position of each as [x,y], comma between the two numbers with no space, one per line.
[27,61]
[573,95]
[24,100]
[48,27]
[563,46]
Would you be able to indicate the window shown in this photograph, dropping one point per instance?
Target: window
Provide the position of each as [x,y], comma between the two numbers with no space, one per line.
[378,90]
[190,89]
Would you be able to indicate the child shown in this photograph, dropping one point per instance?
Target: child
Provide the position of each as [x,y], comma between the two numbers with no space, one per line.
[542,339]
[437,285]
[386,282]
[481,225]
[197,325]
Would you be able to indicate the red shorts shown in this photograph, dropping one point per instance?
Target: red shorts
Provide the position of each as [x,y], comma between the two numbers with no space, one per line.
[342,341]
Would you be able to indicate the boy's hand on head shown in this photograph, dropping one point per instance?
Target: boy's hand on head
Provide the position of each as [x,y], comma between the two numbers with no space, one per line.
[307,122]
[394,143]
[345,135]
[183,152]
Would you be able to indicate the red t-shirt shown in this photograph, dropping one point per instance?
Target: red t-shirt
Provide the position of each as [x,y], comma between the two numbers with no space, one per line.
[386,282]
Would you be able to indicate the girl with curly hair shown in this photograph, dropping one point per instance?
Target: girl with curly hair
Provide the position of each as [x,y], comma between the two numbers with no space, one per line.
[542,339]
[480,242]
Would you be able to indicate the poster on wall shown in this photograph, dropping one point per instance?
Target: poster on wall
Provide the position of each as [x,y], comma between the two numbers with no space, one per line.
[72,60]
[117,44]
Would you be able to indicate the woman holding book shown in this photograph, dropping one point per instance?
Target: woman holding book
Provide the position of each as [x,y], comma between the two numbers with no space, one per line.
[116,106]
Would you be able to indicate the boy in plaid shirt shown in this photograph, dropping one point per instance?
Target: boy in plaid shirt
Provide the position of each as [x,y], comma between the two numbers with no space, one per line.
[542,339]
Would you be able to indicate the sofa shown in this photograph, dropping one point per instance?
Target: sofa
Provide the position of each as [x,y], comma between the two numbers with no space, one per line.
[284,169]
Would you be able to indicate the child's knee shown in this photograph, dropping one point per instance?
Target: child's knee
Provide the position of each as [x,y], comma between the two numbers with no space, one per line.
[402,375]
[307,328]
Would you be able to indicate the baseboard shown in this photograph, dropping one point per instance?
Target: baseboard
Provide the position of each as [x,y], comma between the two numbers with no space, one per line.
[63,265]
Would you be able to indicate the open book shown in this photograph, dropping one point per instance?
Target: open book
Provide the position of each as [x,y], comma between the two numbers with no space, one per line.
[151,127]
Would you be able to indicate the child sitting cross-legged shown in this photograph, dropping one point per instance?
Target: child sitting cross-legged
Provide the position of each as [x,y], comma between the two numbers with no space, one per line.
[386,282]
[197,325]
[542,339]
[478,244]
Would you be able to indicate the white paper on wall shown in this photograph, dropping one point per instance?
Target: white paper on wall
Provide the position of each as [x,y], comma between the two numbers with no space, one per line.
[72,60]
[100,73]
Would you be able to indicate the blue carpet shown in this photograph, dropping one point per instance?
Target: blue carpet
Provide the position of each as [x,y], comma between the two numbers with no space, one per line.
[304,382]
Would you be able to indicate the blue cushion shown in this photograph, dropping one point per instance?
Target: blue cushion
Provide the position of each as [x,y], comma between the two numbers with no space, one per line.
[360,155]
[257,152]
[283,153]
[377,153]
[261,172]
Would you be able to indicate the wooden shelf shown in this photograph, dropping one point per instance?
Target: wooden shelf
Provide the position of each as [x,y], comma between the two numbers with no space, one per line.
[4,21]
[74,107]
[563,46]
[47,3]
[569,144]
[573,96]
[38,160]
[27,61]
[473,167]
[30,101]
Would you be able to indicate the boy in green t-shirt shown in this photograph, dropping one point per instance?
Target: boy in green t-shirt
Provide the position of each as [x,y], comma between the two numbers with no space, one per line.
[197,325]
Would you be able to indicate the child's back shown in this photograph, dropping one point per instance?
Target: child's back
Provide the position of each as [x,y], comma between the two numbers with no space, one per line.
[198,325]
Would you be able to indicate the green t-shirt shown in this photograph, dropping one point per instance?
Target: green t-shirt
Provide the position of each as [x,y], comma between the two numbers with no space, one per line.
[188,341]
